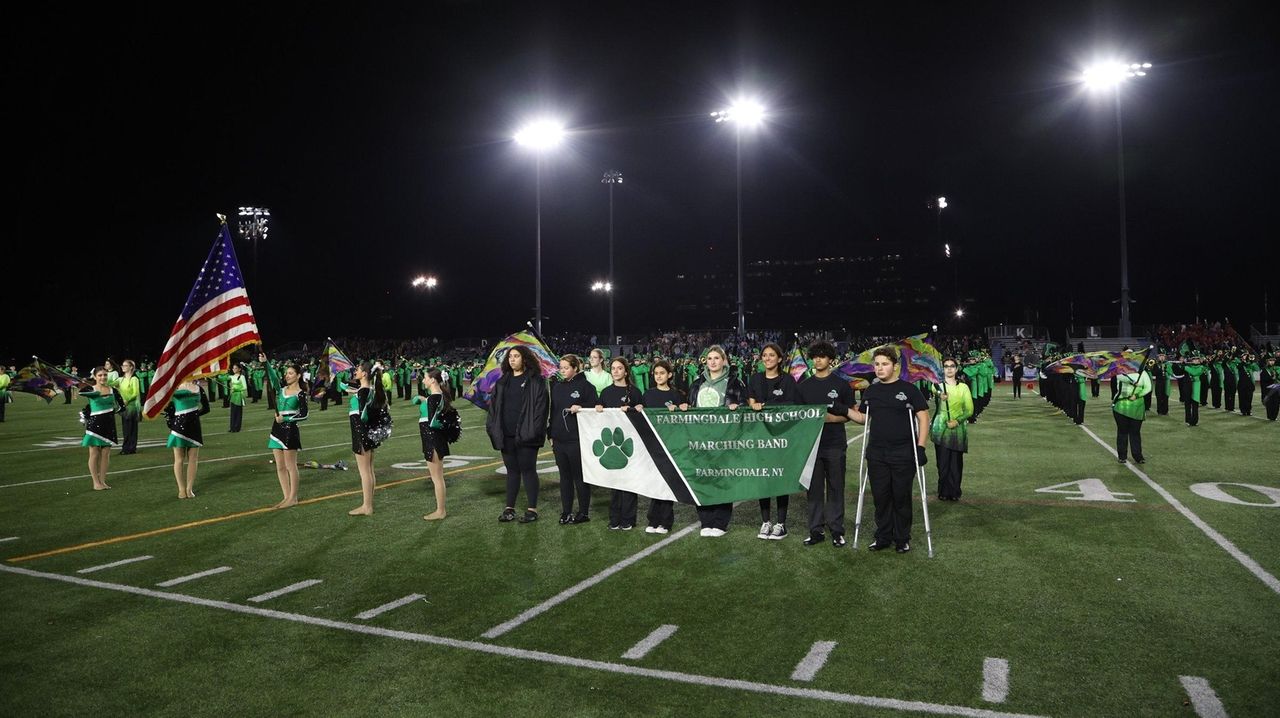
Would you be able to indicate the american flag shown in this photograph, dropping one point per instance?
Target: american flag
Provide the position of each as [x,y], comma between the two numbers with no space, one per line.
[215,321]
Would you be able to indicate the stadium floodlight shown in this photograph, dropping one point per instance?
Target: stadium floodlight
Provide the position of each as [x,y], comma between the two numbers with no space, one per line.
[539,136]
[424,281]
[611,178]
[960,312]
[942,203]
[743,113]
[254,227]
[1103,76]
[602,287]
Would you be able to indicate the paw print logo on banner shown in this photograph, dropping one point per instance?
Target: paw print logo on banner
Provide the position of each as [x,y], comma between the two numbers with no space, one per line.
[612,449]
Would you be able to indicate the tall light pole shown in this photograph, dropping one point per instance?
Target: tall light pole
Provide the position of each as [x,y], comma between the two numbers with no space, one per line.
[254,225]
[611,178]
[1110,76]
[941,204]
[539,136]
[750,114]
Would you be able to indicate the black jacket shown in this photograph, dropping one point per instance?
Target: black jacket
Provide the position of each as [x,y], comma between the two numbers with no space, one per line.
[533,419]
[734,391]
[562,425]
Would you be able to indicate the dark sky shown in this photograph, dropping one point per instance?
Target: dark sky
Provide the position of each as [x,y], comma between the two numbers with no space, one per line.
[380,139]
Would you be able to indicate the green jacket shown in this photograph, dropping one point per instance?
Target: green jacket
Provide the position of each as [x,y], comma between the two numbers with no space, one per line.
[1129,397]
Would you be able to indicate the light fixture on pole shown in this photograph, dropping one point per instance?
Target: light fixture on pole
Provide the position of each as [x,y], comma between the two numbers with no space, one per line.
[425,282]
[611,178]
[1111,75]
[539,136]
[748,114]
[254,225]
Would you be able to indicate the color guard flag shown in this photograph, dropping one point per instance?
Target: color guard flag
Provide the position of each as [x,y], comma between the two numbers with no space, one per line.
[215,321]
[482,390]
[43,379]
[338,362]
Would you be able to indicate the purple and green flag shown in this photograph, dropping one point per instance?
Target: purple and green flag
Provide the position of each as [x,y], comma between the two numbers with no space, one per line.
[43,379]
[920,361]
[798,367]
[481,393]
[338,362]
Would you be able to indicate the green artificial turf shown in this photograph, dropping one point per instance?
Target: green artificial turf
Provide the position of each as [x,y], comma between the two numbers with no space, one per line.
[1098,607]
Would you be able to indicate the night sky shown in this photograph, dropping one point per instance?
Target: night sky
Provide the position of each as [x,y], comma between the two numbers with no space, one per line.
[381,141]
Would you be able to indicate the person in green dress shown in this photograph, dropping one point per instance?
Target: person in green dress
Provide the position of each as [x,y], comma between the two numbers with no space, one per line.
[4,391]
[288,397]
[950,432]
[130,388]
[185,437]
[597,374]
[99,418]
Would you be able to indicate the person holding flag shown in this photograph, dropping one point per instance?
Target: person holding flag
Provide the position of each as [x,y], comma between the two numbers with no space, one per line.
[716,387]
[568,396]
[769,387]
[517,427]
[950,432]
[826,483]
[185,437]
[662,512]
[99,418]
[621,394]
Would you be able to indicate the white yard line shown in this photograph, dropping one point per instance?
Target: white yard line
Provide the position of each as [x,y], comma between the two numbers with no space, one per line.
[850,441]
[9,538]
[813,661]
[113,564]
[194,576]
[366,615]
[282,591]
[574,590]
[538,656]
[995,680]
[1203,698]
[1245,560]
[650,642]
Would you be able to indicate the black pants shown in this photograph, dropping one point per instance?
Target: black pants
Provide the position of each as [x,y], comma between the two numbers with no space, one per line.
[1094,386]
[129,427]
[783,503]
[1271,400]
[826,493]
[569,462]
[67,394]
[1128,434]
[3,401]
[1246,399]
[891,471]
[1162,404]
[1216,388]
[1017,388]
[662,513]
[1191,411]
[715,516]
[950,471]
[1078,416]
[237,415]
[522,464]
[1229,388]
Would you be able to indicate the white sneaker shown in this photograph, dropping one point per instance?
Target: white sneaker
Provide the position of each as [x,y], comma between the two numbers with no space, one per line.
[778,533]
[650,529]
[713,533]
[764,530]
[656,530]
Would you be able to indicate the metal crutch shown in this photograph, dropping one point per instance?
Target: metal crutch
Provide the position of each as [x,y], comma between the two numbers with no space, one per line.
[924,493]
[862,480]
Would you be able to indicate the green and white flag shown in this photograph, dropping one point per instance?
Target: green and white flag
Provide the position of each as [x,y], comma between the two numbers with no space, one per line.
[701,456]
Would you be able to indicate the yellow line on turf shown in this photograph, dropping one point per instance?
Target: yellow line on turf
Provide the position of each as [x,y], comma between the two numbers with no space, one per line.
[229,517]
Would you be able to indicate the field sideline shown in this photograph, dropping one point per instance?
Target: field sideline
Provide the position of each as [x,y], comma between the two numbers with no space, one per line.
[1065,584]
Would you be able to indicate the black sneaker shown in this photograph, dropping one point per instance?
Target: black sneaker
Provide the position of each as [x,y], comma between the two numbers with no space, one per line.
[877,545]
[627,527]
[1141,461]
[815,538]
[838,541]
[579,519]
[904,547]
[1121,460]
[507,515]
[529,516]
[566,519]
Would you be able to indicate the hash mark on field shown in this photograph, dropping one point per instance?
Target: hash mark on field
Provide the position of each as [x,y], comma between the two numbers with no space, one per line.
[113,564]
[192,577]
[809,666]
[366,615]
[732,684]
[282,591]
[995,680]
[650,642]
[10,538]
[1203,698]
[574,590]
